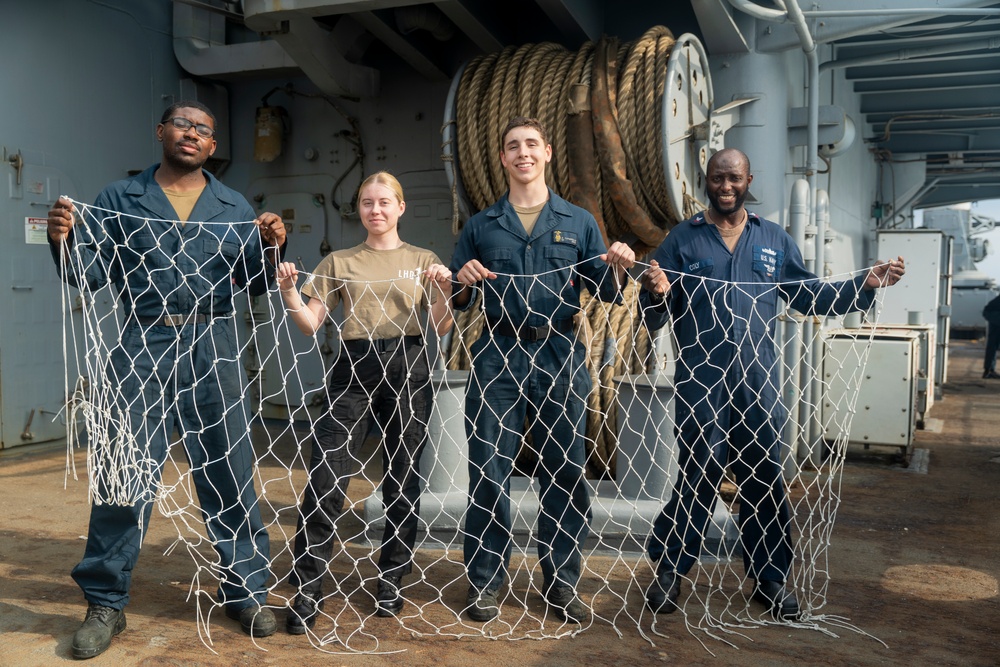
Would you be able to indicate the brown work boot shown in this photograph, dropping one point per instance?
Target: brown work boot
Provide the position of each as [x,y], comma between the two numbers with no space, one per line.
[480,605]
[567,605]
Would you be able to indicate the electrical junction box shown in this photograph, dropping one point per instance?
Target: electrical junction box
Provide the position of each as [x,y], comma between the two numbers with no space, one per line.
[926,363]
[871,380]
[919,293]
[923,296]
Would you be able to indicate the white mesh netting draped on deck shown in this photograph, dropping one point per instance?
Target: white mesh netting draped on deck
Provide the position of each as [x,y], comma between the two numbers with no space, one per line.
[743,365]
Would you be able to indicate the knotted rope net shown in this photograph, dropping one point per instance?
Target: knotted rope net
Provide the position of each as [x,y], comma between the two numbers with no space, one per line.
[580,490]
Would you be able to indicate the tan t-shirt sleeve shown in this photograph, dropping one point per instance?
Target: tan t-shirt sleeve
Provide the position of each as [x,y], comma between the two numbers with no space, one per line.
[324,285]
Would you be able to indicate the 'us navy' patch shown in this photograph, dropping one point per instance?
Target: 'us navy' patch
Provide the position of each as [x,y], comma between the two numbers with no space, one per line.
[767,260]
[568,238]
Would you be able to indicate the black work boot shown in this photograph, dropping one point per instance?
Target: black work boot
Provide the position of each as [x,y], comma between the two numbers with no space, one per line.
[302,615]
[388,601]
[99,626]
[255,620]
[662,594]
[779,599]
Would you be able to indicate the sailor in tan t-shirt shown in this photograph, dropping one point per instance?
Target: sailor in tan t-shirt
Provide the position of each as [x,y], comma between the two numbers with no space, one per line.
[382,373]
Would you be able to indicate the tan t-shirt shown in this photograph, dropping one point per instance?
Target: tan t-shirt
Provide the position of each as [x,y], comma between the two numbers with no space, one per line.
[529,215]
[384,292]
[731,236]
[183,202]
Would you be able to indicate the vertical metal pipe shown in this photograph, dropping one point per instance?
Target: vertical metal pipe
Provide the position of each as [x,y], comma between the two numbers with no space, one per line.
[798,218]
[812,394]
[814,450]
[812,248]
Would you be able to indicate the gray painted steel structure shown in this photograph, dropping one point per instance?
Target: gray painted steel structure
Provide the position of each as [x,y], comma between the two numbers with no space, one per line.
[369,81]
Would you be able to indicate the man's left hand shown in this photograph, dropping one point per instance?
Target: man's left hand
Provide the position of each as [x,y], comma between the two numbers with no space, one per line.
[620,257]
[272,229]
[885,274]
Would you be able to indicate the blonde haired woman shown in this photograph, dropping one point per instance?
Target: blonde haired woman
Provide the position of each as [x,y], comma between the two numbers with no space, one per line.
[381,373]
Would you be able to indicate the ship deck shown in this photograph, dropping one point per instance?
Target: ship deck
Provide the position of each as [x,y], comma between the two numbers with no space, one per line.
[914,563]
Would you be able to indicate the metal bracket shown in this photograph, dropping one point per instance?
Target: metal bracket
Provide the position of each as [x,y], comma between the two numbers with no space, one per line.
[26,434]
[692,130]
[16,161]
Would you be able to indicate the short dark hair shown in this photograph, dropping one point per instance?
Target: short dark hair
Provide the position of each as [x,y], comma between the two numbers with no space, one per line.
[187,104]
[524,121]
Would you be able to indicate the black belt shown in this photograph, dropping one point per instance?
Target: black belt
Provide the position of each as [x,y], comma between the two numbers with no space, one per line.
[504,327]
[177,320]
[359,347]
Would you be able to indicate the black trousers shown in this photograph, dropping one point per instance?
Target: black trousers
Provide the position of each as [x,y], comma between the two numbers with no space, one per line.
[992,345]
[366,385]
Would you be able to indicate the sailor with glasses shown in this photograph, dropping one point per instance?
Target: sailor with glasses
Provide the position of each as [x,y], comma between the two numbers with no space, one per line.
[177,364]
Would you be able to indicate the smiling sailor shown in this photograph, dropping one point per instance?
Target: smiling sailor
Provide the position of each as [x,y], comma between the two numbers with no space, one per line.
[718,277]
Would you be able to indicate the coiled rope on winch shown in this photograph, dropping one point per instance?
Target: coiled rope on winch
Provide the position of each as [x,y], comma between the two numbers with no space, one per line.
[619,86]
[603,107]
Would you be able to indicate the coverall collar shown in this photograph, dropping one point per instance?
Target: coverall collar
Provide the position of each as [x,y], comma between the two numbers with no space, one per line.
[701,219]
[148,195]
[503,212]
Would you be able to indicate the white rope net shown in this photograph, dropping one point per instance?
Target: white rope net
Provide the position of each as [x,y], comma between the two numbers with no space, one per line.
[203,383]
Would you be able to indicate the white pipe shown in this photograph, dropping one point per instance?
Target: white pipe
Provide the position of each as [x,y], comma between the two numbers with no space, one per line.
[823,228]
[199,48]
[758,12]
[793,13]
[798,211]
[814,450]
[812,394]
[798,219]
[909,11]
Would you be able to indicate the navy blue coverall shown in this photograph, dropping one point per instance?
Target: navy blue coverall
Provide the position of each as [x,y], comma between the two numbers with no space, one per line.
[537,292]
[727,407]
[186,375]
[991,313]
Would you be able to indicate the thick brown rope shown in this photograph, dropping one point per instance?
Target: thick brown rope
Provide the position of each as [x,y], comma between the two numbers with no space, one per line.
[629,196]
[536,80]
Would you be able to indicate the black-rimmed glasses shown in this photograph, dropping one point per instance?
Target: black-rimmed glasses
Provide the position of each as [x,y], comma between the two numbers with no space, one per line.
[185,125]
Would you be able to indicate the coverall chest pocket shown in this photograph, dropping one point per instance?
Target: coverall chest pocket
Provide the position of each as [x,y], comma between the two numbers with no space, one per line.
[559,263]
[216,248]
[697,269]
[767,262]
[146,250]
[219,257]
[560,257]
[701,267]
[498,259]
[501,262]
[697,289]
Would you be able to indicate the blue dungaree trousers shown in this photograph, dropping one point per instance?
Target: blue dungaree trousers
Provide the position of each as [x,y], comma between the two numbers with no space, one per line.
[547,382]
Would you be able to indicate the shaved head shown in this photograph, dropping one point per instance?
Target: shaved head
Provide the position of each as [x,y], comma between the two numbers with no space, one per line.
[727,182]
[729,154]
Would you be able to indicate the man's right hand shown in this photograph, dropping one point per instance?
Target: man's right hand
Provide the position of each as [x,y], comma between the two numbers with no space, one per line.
[655,281]
[61,220]
[473,272]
